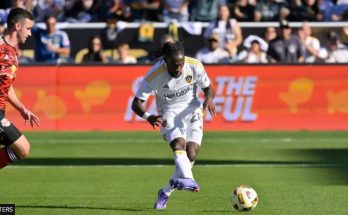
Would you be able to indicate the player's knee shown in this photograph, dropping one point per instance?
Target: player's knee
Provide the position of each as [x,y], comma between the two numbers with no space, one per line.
[178,144]
[23,152]
[21,147]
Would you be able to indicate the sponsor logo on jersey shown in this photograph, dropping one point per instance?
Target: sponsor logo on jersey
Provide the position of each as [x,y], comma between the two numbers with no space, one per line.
[177,94]
[5,122]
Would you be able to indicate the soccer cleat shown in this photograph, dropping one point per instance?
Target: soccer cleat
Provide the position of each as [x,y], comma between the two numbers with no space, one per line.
[162,200]
[184,184]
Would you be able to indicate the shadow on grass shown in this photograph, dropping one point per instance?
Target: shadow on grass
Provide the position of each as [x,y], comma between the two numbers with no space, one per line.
[336,159]
[329,156]
[220,211]
[71,207]
[146,161]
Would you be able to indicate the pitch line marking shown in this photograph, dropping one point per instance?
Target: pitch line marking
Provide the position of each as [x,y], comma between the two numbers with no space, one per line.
[169,165]
[156,140]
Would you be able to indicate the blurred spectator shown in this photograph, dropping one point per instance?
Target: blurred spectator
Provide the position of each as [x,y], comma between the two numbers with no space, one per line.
[325,9]
[229,31]
[52,45]
[175,10]
[84,11]
[270,34]
[166,38]
[329,11]
[95,51]
[110,33]
[68,10]
[310,44]
[19,3]
[286,48]
[123,55]
[340,11]
[304,10]
[24,59]
[2,27]
[155,55]
[256,50]
[26,4]
[242,10]
[270,10]
[345,33]
[213,53]
[144,10]
[335,51]
[204,10]
[118,10]
[43,9]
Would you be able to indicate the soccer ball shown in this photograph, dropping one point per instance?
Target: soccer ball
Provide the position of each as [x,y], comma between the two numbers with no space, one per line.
[244,198]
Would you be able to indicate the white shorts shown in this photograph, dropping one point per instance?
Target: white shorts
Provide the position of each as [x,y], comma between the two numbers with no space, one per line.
[187,124]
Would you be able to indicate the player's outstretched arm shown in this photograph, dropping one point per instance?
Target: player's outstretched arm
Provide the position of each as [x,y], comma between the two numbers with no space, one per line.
[208,102]
[28,116]
[154,120]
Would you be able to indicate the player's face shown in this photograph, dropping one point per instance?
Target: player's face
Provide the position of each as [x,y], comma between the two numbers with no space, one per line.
[24,30]
[51,24]
[175,63]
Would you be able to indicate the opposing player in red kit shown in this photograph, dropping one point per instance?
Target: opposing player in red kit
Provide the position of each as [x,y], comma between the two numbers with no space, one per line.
[19,24]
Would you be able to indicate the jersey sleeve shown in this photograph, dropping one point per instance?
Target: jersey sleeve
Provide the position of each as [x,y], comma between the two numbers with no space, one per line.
[203,80]
[144,90]
[65,40]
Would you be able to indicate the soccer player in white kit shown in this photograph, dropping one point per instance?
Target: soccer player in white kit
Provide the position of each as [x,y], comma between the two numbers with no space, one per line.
[175,80]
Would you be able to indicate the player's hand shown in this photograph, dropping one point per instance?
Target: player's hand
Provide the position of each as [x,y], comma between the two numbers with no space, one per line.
[30,118]
[209,104]
[51,47]
[155,121]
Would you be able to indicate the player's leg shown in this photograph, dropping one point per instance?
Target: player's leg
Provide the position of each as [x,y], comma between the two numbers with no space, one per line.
[194,135]
[21,147]
[178,146]
[182,162]
[174,136]
[182,176]
[16,145]
[185,180]
[192,149]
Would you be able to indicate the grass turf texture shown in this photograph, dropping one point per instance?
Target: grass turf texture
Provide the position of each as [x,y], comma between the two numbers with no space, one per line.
[120,173]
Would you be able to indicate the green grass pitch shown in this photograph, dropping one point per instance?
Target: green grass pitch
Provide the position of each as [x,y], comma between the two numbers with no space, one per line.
[121,172]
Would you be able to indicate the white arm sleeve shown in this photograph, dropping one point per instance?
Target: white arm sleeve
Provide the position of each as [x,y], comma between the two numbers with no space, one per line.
[203,80]
[144,90]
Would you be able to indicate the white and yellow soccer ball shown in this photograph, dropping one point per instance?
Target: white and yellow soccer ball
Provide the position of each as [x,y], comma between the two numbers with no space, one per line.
[244,198]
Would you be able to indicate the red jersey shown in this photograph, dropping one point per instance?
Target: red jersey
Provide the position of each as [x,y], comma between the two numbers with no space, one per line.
[8,68]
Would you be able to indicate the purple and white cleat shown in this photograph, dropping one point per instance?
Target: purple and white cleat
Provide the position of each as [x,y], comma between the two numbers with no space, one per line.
[185,184]
[162,200]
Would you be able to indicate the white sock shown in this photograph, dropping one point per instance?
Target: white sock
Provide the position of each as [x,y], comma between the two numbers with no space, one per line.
[168,189]
[182,164]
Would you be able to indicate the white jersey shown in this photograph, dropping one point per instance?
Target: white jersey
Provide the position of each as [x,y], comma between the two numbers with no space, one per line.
[174,94]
